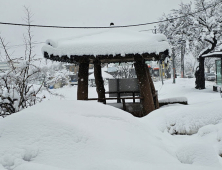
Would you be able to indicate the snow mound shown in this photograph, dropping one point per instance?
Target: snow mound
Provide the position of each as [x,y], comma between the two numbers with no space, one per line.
[209,129]
[198,154]
[78,135]
[215,134]
[186,119]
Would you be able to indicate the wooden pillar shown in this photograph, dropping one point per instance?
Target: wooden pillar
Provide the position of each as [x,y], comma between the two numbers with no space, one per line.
[153,90]
[145,89]
[99,82]
[82,90]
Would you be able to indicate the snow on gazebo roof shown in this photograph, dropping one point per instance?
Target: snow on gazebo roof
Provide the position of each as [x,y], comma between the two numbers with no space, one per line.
[104,75]
[106,42]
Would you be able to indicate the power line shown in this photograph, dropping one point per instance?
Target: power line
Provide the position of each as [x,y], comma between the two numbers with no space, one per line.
[121,26]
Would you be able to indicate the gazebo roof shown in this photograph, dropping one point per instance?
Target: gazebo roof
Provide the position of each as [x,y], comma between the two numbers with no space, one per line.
[111,45]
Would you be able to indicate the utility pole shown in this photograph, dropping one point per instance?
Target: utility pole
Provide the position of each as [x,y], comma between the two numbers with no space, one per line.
[182,42]
[182,60]
[161,70]
[174,71]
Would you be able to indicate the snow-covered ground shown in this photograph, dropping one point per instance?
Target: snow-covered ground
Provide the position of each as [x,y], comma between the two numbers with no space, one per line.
[64,134]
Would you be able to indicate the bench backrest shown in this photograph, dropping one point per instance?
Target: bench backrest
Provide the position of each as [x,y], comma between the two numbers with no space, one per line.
[122,85]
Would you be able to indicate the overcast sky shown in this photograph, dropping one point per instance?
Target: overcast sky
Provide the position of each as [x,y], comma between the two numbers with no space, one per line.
[77,13]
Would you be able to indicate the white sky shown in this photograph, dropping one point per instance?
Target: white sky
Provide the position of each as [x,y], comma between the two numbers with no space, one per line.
[77,13]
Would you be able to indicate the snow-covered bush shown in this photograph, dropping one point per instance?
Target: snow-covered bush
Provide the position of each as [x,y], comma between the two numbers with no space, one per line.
[16,89]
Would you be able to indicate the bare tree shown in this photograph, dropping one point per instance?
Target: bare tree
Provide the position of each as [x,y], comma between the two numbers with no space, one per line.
[16,84]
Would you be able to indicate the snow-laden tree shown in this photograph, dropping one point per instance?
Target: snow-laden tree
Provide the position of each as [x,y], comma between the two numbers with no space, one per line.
[206,29]
[175,29]
[200,29]
[16,84]
[125,70]
[55,74]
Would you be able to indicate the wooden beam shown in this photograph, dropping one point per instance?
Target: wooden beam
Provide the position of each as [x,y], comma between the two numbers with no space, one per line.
[82,90]
[144,84]
[99,82]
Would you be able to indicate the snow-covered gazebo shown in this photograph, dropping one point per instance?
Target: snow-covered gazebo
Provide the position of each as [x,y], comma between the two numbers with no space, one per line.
[111,46]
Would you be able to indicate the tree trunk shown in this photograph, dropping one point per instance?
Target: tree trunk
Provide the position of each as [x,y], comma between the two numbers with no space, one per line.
[201,78]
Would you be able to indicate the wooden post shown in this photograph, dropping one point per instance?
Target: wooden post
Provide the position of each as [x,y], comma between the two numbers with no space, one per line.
[82,90]
[144,84]
[153,90]
[99,82]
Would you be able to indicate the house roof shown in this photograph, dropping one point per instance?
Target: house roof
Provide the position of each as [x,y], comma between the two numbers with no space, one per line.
[112,44]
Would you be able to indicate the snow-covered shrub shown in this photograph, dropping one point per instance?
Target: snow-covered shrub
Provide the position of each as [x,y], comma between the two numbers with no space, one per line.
[16,89]
[198,154]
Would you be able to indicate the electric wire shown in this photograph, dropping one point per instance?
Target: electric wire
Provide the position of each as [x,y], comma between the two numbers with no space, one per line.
[121,26]
[48,26]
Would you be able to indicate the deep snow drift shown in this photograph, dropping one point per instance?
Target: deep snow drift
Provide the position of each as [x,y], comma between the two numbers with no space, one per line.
[63,133]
